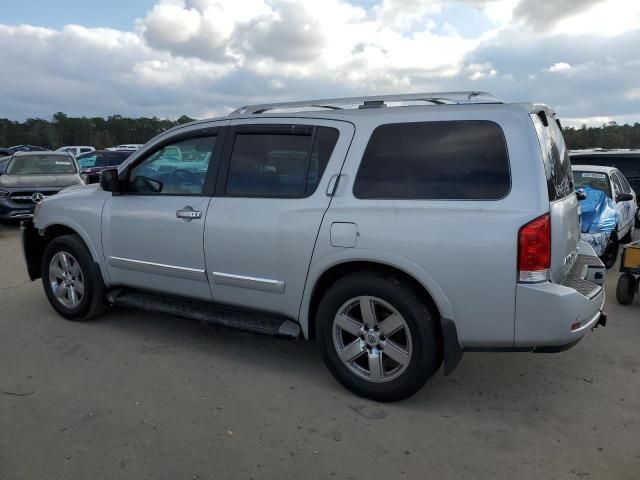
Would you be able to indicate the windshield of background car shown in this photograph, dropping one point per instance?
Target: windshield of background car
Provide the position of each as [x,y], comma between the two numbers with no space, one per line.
[597,180]
[91,160]
[557,166]
[41,165]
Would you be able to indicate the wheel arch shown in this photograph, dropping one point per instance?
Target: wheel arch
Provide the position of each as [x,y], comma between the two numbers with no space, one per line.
[321,278]
[55,229]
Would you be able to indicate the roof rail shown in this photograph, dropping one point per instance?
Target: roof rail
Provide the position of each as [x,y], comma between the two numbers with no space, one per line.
[437,98]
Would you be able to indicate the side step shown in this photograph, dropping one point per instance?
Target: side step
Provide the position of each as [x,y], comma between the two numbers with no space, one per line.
[206,312]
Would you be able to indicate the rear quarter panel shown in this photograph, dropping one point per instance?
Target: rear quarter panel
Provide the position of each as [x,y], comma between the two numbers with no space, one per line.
[463,252]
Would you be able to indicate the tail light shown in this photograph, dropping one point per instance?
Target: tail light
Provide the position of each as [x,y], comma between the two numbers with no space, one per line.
[534,250]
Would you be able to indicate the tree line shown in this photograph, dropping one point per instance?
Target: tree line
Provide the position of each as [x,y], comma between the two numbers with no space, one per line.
[101,132]
[610,135]
[98,132]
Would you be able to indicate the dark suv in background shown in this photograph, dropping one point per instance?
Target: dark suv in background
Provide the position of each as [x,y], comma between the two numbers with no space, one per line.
[627,161]
[92,163]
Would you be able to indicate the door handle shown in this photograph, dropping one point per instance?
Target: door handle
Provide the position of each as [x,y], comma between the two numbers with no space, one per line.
[188,214]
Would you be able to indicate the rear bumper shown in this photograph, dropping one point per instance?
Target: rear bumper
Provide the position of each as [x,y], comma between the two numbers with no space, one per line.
[552,316]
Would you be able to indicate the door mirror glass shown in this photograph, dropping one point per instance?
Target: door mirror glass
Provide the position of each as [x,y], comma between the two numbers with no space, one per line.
[624,197]
[109,180]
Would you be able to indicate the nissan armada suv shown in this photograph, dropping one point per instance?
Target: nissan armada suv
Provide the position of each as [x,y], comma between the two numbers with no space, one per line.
[397,231]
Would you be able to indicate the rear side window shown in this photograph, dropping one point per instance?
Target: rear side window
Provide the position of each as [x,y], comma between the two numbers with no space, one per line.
[555,155]
[454,160]
[286,163]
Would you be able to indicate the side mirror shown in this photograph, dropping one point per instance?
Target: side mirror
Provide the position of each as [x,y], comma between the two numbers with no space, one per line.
[581,196]
[624,197]
[109,180]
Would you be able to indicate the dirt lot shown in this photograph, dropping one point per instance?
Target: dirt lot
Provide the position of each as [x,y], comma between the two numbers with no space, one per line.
[137,395]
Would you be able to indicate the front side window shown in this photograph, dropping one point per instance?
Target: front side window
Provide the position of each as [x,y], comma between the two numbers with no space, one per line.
[617,185]
[626,188]
[41,165]
[596,180]
[279,164]
[177,169]
[451,160]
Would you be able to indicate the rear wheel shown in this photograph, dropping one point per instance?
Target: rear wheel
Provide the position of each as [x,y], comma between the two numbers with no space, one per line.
[378,337]
[610,254]
[626,289]
[72,282]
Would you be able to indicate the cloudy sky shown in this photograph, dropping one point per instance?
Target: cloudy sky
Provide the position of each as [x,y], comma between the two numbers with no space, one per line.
[204,57]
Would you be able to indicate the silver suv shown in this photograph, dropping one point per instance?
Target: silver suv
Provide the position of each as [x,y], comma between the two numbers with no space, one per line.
[397,231]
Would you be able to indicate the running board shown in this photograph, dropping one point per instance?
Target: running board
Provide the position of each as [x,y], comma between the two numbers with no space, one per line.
[206,312]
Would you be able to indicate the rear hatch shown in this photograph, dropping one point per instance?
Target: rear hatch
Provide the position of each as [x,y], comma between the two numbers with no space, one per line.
[564,208]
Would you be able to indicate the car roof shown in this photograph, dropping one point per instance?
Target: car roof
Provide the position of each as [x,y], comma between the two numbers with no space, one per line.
[594,168]
[631,152]
[47,153]
[366,106]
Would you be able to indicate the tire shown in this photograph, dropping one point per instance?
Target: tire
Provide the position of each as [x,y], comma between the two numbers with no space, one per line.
[67,265]
[626,289]
[610,254]
[391,361]
[628,238]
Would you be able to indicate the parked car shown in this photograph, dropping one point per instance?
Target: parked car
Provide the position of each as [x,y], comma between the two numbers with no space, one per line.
[27,148]
[614,185]
[3,163]
[92,163]
[76,150]
[30,177]
[397,237]
[129,147]
[5,152]
[627,161]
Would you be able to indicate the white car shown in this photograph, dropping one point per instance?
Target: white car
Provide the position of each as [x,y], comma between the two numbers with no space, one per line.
[76,150]
[610,181]
[128,147]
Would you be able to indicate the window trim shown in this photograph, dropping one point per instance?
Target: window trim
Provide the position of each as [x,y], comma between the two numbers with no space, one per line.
[208,188]
[506,148]
[304,129]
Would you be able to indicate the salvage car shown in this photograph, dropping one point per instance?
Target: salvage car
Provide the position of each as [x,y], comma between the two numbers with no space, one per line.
[397,234]
[615,186]
[627,161]
[30,177]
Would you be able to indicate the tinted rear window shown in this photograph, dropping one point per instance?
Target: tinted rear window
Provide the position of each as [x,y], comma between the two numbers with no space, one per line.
[455,160]
[555,155]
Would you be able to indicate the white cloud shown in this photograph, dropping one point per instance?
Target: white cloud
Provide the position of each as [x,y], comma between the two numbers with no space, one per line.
[205,56]
[559,67]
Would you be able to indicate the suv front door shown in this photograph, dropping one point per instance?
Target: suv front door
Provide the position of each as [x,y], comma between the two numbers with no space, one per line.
[271,195]
[153,231]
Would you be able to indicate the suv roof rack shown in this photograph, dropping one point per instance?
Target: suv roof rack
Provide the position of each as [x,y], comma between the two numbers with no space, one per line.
[377,101]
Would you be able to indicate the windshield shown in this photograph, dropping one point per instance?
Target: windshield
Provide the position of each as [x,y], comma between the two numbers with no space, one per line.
[41,165]
[597,180]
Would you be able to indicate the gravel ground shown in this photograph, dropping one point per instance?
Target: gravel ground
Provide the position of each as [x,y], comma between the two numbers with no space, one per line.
[136,395]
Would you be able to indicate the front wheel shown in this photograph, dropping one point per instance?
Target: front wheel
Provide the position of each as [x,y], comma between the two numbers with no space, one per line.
[610,254]
[378,337]
[72,282]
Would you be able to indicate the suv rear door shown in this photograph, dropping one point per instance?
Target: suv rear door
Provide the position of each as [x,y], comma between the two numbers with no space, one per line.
[271,196]
[563,203]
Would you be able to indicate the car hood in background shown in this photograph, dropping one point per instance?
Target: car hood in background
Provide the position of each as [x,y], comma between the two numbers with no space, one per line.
[19,181]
